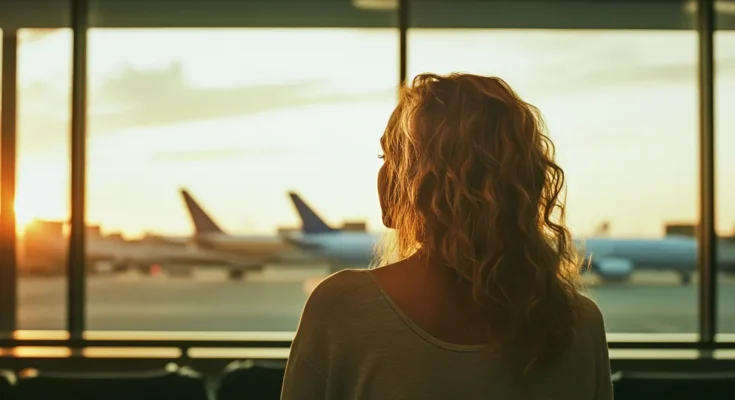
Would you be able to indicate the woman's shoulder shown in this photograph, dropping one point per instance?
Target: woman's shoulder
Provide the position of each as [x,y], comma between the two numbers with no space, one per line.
[336,290]
[590,313]
[340,283]
[591,322]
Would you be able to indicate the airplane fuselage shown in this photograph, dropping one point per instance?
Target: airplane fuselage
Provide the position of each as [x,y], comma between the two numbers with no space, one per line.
[248,246]
[611,257]
[353,248]
[669,253]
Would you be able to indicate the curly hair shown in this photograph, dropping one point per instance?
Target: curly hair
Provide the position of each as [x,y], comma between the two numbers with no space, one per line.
[472,184]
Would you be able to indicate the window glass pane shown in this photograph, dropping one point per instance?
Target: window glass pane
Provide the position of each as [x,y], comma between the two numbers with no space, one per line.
[724,48]
[621,107]
[236,118]
[42,192]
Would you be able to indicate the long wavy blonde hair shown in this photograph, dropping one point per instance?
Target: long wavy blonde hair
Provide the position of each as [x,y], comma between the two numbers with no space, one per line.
[471,182]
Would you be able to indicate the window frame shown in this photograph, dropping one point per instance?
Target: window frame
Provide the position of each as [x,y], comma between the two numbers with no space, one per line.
[76,15]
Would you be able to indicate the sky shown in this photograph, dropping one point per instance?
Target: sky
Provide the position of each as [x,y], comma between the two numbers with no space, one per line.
[241,116]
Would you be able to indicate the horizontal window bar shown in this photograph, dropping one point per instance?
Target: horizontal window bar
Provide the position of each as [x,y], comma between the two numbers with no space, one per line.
[166,336]
[238,353]
[233,353]
[186,344]
[518,14]
[289,335]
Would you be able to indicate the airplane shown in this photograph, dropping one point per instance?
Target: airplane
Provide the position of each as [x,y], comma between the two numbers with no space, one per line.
[342,248]
[253,252]
[43,250]
[176,259]
[615,259]
[612,259]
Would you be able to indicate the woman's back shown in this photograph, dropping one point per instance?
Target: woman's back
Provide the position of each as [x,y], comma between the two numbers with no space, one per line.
[484,297]
[356,342]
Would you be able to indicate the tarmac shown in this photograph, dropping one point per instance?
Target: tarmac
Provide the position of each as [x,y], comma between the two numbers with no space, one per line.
[653,302]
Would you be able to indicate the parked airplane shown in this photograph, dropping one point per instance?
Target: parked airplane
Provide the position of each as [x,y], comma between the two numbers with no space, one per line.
[343,249]
[176,259]
[257,250]
[612,259]
[43,250]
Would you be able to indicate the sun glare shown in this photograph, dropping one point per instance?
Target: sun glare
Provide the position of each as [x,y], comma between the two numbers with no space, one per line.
[30,208]
[34,206]
[24,215]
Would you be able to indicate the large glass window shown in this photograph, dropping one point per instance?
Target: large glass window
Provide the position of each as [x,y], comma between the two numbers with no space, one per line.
[724,48]
[42,189]
[196,136]
[621,106]
[202,141]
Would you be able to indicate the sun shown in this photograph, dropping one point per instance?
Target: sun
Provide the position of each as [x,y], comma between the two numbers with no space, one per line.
[24,215]
[31,208]
[35,200]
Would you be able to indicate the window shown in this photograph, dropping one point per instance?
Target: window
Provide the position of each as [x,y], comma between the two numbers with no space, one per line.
[724,48]
[196,136]
[621,106]
[42,188]
[238,118]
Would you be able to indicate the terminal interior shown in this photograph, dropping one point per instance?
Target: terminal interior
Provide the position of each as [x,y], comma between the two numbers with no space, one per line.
[169,167]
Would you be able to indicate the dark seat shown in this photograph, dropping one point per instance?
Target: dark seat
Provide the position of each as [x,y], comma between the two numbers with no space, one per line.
[674,385]
[7,381]
[257,380]
[172,382]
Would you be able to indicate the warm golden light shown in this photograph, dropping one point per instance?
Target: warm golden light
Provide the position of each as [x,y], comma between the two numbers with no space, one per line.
[34,199]
[23,217]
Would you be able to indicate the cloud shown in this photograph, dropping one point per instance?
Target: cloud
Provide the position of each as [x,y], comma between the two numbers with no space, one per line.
[187,156]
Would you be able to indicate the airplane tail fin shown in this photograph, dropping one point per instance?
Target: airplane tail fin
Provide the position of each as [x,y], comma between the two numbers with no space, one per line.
[203,223]
[310,221]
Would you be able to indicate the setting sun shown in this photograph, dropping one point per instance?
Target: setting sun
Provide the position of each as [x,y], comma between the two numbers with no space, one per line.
[23,216]
[37,197]
[30,208]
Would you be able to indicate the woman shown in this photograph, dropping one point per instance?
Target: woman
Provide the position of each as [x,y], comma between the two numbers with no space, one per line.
[479,296]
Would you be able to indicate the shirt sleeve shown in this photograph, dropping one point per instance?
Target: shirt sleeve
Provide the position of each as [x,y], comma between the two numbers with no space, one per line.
[307,368]
[604,376]
[605,386]
[302,381]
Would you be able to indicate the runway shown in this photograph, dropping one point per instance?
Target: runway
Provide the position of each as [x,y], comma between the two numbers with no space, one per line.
[272,301]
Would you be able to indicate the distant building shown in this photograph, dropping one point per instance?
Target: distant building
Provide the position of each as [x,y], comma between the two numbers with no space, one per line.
[94,231]
[355,226]
[688,230]
[283,230]
[41,228]
[43,248]
[115,236]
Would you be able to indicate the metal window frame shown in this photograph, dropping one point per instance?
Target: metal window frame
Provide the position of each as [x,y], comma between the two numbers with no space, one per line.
[76,261]
[8,145]
[707,235]
[76,265]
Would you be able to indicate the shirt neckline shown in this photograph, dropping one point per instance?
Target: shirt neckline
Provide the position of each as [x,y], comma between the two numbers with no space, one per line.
[417,329]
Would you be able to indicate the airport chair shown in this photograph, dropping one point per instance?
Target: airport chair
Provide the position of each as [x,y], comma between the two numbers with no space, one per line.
[172,382]
[7,381]
[256,380]
[674,385]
